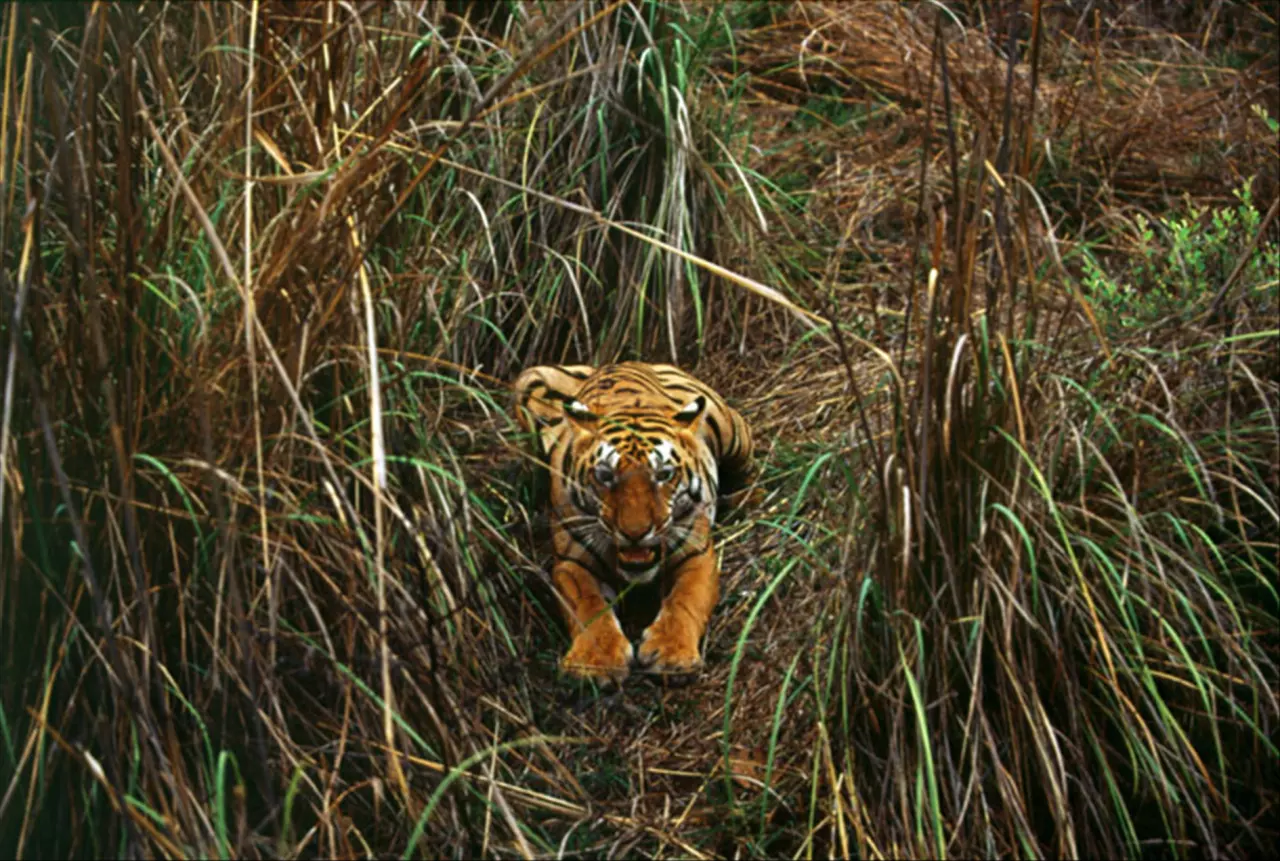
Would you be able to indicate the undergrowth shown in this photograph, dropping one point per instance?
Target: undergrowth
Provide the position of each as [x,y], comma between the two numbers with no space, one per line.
[996,287]
[1181,262]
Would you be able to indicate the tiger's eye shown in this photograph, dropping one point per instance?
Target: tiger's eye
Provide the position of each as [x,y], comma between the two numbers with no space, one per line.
[604,473]
[664,472]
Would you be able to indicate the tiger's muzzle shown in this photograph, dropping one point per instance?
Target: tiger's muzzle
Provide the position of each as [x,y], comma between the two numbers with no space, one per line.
[638,556]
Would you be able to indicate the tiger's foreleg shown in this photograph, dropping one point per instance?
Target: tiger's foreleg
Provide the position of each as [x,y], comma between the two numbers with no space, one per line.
[670,644]
[600,650]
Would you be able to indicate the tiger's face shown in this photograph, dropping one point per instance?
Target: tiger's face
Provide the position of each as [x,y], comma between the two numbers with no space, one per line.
[638,485]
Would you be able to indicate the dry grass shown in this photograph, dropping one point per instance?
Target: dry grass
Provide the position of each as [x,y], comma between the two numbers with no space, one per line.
[275,565]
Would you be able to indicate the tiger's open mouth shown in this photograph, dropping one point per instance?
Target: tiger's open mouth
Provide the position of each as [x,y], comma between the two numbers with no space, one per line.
[637,558]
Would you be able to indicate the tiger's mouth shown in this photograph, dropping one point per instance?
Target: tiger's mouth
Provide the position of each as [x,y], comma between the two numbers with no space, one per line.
[637,558]
[636,555]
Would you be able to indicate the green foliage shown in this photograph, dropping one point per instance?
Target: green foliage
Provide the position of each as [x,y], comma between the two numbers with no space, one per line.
[1272,124]
[1181,262]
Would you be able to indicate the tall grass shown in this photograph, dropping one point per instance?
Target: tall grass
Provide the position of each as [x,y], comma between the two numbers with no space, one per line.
[1069,643]
[274,562]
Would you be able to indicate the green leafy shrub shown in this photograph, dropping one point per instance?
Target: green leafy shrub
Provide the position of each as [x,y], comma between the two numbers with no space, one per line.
[1182,261]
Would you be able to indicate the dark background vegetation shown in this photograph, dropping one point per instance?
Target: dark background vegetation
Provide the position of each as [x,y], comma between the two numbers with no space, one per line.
[995,284]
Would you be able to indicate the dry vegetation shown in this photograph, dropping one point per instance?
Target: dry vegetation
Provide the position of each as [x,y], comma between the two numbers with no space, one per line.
[999,296]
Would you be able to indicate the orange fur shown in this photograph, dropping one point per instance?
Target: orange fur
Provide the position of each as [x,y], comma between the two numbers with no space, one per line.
[599,647]
[670,644]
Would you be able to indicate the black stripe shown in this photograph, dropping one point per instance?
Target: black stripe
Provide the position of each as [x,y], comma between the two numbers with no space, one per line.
[639,425]
[675,561]
[676,387]
[600,565]
[581,500]
[592,566]
[714,424]
[673,550]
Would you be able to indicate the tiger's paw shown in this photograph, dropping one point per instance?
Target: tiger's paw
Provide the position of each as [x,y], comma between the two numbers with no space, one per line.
[601,654]
[670,646]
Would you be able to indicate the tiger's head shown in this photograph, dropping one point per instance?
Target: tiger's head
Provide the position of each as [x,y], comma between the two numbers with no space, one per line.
[638,479]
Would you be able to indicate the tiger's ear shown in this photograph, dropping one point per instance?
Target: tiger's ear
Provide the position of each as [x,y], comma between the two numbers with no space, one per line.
[690,415]
[579,416]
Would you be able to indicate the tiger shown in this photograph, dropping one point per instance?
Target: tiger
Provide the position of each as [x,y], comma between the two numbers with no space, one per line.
[638,456]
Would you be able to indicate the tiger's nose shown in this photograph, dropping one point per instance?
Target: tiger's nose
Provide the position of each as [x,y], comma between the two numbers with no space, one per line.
[635,533]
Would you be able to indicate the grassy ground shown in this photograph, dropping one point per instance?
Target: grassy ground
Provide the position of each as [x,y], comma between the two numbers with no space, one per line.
[995,284]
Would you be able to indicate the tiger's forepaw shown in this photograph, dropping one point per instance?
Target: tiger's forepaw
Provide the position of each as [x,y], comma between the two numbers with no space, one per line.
[670,646]
[601,653]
